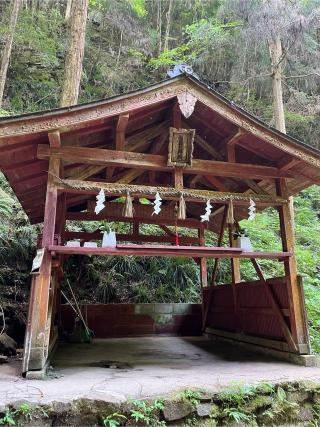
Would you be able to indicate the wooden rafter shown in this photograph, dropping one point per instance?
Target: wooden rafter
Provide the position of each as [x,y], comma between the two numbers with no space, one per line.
[288,162]
[216,182]
[133,143]
[216,155]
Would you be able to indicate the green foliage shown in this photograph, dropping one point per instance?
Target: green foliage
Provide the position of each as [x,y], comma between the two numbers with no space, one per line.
[147,414]
[8,418]
[191,396]
[134,279]
[17,246]
[6,204]
[113,420]
[4,113]
[174,56]
[25,411]
[238,394]
[139,7]
[236,415]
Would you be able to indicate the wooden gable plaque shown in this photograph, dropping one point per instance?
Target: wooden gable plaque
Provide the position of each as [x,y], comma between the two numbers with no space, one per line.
[180,147]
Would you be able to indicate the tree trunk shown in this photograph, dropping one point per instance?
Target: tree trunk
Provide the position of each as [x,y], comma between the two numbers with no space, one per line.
[167,34]
[68,10]
[275,50]
[8,47]
[159,27]
[74,54]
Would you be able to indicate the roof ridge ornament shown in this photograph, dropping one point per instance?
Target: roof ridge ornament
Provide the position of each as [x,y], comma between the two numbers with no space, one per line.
[186,101]
[179,69]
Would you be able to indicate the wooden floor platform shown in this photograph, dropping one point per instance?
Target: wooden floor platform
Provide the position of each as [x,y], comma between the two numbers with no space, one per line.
[169,251]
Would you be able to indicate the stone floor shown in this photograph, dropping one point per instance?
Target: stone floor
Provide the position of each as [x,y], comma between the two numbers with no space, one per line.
[118,369]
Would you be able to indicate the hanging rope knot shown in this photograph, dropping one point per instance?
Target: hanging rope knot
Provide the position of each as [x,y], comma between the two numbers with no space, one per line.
[230,216]
[182,208]
[128,207]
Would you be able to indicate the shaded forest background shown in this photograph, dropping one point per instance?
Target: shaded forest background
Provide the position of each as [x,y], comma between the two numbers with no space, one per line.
[128,45]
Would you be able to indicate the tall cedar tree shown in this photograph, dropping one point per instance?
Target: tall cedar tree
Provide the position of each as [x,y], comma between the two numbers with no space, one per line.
[8,47]
[74,55]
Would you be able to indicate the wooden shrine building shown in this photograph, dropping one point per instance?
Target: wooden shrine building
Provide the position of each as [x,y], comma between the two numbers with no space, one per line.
[179,139]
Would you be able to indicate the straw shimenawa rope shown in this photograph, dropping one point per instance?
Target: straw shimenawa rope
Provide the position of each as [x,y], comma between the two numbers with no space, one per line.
[202,195]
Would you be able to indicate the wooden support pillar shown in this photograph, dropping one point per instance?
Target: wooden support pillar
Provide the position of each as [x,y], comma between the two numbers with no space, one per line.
[178,178]
[58,272]
[176,116]
[235,262]
[215,269]
[220,242]
[236,278]
[203,269]
[203,261]
[42,292]
[298,325]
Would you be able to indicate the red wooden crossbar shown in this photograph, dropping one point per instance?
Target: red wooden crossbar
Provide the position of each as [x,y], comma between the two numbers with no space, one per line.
[169,251]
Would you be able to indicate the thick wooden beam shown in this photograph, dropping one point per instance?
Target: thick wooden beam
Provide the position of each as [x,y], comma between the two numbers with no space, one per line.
[158,162]
[88,216]
[167,251]
[134,237]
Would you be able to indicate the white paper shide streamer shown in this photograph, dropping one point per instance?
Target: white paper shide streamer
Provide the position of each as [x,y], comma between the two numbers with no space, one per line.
[100,202]
[157,204]
[252,210]
[206,215]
